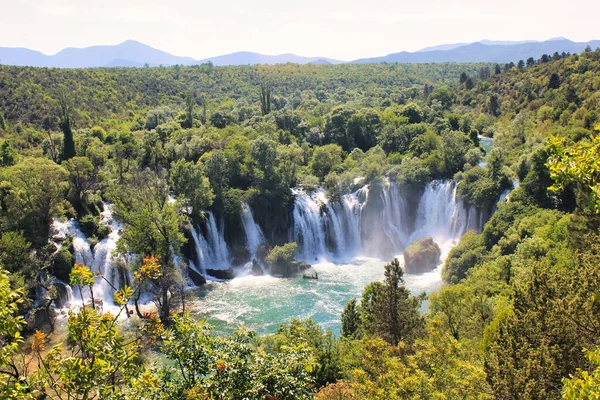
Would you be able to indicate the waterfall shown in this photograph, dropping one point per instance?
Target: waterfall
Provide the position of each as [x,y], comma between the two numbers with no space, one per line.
[212,251]
[70,297]
[324,229]
[376,221]
[351,210]
[82,251]
[441,215]
[317,223]
[100,260]
[339,232]
[309,227]
[103,261]
[65,297]
[254,235]
[202,249]
[393,217]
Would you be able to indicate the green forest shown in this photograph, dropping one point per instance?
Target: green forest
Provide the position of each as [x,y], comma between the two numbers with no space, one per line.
[518,316]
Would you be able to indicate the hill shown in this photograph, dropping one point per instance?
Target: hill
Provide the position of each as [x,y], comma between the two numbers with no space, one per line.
[29,94]
[249,58]
[128,53]
[484,52]
[135,54]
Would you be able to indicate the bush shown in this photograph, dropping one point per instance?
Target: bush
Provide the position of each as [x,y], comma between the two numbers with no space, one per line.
[502,220]
[413,112]
[337,186]
[63,263]
[98,132]
[413,172]
[468,253]
[281,259]
[308,182]
[103,231]
[90,225]
[325,159]
[398,139]
[421,256]
[478,189]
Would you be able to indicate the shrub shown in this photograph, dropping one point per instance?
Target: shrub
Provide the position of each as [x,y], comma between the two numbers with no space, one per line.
[281,258]
[468,253]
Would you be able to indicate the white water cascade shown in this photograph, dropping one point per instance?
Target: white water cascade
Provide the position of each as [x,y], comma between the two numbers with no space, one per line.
[309,226]
[254,235]
[254,238]
[441,215]
[101,259]
[394,217]
[212,251]
[104,259]
[377,221]
[327,230]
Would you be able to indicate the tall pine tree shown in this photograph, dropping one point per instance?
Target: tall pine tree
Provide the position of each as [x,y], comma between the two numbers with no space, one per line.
[65,126]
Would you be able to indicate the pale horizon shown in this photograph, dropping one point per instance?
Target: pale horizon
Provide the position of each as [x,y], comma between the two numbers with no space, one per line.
[343,30]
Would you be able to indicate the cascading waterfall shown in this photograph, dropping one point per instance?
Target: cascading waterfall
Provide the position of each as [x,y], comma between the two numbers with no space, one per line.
[82,251]
[324,230]
[100,260]
[351,207]
[202,249]
[70,297]
[254,235]
[254,238]
[344,221]
[212,251]
[393,217]
[440,215]
[318,222]
[217,240]
[103,261]
[309,227]
[339,233]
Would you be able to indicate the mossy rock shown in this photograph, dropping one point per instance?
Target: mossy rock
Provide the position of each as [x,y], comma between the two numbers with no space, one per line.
[196,277]
[90,225]
[63,264]
[62,296]
[302,266]
[221,273]
[421,256]
[256,270]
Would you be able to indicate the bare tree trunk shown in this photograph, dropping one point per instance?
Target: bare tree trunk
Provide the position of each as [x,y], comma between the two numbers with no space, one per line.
[164,306]
[182,300]
[137,307]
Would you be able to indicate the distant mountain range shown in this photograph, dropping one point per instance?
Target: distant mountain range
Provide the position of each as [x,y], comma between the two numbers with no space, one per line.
[484,51]
[490,42]
[135,54]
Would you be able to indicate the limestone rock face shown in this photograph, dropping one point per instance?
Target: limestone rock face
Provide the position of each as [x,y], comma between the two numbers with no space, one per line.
[421,256]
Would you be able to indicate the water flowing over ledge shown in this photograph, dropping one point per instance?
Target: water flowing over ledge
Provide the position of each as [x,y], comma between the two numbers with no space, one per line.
[100,260]
[378,222]
[347,242]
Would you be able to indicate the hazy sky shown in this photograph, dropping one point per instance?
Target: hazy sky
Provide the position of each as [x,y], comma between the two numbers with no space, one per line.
[343,29]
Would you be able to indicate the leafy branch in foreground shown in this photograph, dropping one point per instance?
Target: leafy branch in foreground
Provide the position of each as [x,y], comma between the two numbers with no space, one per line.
[100,361]
[578,163]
